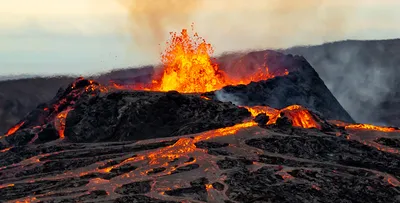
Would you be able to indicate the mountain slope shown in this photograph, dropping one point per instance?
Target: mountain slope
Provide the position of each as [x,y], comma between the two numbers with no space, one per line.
[363,76]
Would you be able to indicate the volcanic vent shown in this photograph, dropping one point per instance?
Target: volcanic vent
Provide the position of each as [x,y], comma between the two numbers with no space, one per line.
[171,139]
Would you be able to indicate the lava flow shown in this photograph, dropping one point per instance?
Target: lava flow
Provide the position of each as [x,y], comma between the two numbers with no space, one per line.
[299,115]
[363,126]
[188,68]
[59,122]
[14,129]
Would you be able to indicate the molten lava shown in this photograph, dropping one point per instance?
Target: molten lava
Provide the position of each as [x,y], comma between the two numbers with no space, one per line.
[59,122]
[299,116]
[363,126]
[14,129]
[371,127]
[188,68]
[255,110]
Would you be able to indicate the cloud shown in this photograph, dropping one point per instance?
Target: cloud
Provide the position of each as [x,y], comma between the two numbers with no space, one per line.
[61,17]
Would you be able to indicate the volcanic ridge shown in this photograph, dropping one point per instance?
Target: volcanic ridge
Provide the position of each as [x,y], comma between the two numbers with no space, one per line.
[200,131]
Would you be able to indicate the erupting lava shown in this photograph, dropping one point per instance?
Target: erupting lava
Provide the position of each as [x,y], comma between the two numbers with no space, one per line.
[188,68]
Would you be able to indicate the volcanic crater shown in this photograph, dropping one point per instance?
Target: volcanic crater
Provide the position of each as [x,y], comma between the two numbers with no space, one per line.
[200,131]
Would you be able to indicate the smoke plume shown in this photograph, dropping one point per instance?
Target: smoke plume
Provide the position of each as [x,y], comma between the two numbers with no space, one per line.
[226,97]
[151,21]
[362,75]
[239,24]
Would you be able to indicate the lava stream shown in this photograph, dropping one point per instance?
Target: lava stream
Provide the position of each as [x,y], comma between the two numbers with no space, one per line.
[363,126]
[14,129]
[59,122]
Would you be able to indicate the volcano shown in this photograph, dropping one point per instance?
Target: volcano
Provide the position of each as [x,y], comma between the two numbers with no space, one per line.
[269,133]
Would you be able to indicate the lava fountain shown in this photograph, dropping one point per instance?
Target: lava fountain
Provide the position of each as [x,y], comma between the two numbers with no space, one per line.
[189,68]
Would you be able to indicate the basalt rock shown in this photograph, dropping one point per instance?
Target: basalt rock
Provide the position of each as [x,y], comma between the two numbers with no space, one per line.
[121,116]
[262,119]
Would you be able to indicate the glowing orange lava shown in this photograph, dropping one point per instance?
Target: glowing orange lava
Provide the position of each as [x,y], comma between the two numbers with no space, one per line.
[188,68]
[5,150]
[255,110]
[370,127]
[299,115]
[363,126]
[14,129]
[60,122]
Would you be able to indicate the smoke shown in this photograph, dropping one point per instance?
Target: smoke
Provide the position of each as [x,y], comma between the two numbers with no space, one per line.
[226,97]
[239,24]
[151,21]
[361,75]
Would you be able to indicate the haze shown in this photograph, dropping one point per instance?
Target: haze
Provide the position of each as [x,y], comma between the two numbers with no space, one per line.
[46,37]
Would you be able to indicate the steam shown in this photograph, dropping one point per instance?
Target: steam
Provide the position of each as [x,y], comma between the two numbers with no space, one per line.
[361,75]
[226,97]
[151,21]
[239,24]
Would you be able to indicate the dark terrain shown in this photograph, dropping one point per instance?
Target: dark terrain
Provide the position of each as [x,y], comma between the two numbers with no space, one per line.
[92,143]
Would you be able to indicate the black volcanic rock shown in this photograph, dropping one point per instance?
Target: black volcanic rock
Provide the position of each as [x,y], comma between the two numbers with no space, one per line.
[93,113]
[120,116]
[261,119]
[301,86]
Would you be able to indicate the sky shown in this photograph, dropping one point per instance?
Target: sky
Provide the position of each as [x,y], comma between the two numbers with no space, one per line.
[80,37]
